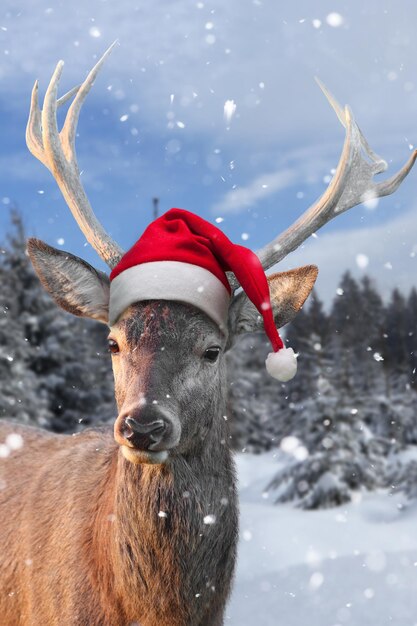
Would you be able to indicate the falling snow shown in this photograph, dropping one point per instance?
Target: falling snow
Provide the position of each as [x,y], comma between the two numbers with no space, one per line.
[229,110]
[316,580]
[362,261]
[94,32]
[14,441]
[335,20]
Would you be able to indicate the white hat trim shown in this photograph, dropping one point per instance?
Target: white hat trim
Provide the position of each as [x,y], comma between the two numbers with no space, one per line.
[170,280]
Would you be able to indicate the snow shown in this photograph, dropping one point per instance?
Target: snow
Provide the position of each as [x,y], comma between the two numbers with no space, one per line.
[335,20]
[229,110]
[362,260]
[353,565]
[14,441]
[94,32]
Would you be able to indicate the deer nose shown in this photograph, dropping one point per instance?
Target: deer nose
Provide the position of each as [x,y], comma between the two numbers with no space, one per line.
[144,436]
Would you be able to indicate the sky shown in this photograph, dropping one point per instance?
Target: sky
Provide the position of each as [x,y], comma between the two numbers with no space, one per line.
[154,123]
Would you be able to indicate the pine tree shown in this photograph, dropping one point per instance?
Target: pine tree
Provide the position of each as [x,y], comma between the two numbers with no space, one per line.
[256,401]
[396,337]
[64,379]
[21,393]
[371,338]
[343,344]
[339,454]
[342,418]
[411,330]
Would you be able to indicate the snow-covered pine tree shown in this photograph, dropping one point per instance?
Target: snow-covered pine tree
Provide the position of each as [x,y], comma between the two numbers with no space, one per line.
[308,334]
[21,394]
[256,401]
[77,378]
[346,336]
[346,427]
[64,380]
[396,341]
[412,336]
[335,454]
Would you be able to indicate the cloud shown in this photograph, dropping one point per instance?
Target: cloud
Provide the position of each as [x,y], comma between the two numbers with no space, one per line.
[259,54]
[242,198]
[302,166]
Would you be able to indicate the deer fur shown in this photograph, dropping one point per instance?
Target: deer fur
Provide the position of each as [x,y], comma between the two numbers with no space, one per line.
[89,538]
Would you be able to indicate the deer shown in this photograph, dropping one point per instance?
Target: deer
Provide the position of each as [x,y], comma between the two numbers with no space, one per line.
[139,524]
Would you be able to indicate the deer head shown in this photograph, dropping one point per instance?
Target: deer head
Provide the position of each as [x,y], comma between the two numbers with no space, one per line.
[168,356]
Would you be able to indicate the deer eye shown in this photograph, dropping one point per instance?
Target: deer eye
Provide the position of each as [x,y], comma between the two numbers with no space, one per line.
[211,354]
[113,346]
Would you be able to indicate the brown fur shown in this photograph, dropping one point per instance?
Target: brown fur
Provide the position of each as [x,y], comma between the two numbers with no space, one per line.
[82,542]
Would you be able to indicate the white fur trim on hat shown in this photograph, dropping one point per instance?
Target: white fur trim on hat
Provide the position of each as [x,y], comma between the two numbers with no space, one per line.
[170,280]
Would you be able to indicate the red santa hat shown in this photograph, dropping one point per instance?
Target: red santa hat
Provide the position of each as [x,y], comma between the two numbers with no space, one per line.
[182,257]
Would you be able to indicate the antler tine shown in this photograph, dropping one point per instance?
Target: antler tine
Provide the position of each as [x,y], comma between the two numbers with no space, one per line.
[63,99]
[57,152]
[351,185]
[340,112]
[49,124]
[33,128]
[70,124]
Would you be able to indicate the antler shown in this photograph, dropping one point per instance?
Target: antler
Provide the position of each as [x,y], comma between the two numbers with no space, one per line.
[56,150]
[352,184]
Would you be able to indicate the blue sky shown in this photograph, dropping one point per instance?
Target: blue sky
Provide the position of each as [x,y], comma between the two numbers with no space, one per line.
[154,123]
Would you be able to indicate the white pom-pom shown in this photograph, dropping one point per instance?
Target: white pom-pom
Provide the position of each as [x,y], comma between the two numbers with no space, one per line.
[282,365]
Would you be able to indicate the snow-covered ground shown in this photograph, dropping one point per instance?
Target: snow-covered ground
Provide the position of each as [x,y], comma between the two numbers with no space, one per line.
[355,565]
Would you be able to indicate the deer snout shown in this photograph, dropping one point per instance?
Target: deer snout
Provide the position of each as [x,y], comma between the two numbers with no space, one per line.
[147,433]
[144,436]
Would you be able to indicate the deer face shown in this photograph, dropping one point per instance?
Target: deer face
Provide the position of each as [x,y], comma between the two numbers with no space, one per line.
[168,357]
[169,371]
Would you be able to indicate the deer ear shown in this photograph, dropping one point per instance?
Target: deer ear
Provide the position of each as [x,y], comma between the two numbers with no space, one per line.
[289,291]
[74,284]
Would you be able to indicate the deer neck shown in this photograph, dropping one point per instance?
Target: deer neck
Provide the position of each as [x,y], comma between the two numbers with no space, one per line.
[166,519]
[153,498]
